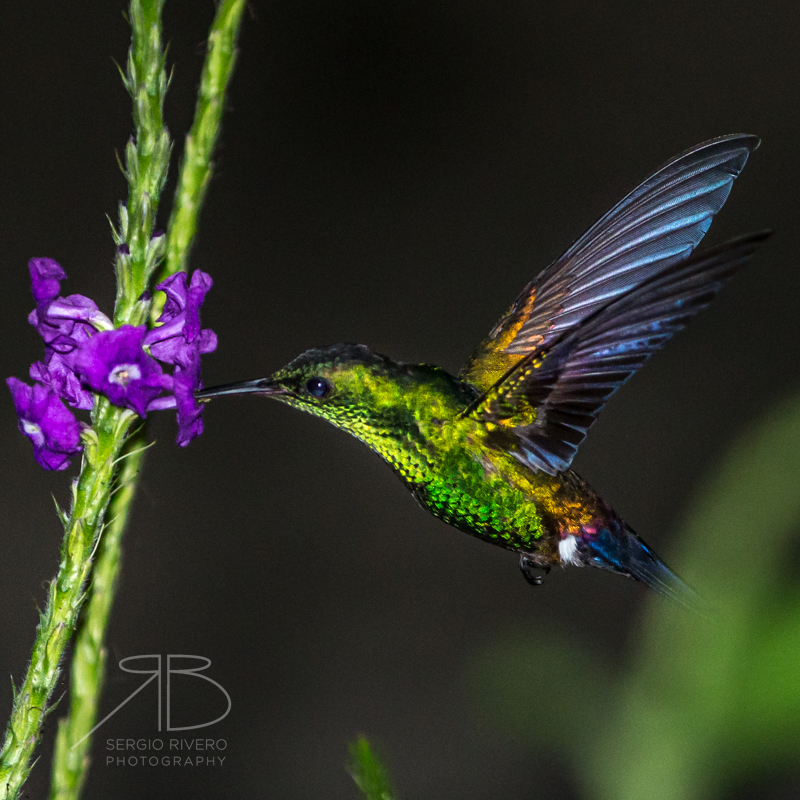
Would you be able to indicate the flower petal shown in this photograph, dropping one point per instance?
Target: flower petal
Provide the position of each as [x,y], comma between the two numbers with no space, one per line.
[114,364]
[190,412]
[198,288]
[79,308]
[174,339]
[46,276]
[51,427]
[58,372]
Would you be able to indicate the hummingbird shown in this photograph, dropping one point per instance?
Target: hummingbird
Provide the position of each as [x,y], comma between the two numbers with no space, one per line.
[489,451]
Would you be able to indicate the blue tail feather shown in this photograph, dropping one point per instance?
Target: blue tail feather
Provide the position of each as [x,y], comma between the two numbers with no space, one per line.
[624,552]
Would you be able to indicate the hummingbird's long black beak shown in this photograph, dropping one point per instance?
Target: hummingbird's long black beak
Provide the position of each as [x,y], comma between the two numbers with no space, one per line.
[263,386]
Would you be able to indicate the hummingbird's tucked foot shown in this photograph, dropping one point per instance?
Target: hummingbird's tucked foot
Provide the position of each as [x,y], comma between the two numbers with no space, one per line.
[527,565]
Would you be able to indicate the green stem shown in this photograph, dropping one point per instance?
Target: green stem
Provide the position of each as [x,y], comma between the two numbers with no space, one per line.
[73,743]
[196,165]
[139,254]
[91,494]
[147,154]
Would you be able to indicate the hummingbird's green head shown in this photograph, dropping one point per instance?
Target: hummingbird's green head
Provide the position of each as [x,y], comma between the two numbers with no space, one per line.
[347,384]
[333,382]
[365,393]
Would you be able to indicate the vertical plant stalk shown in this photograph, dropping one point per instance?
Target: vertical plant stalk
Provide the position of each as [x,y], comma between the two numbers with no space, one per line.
[91,494]
[73,744]
[196,165]
[147,153]
[138,256]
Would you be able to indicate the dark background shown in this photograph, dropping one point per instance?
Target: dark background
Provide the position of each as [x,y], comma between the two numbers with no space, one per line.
[390,173]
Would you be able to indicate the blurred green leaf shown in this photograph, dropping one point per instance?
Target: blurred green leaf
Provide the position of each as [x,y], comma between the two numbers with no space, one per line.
[721,698]
[368,772]
[704,704]
[540,688]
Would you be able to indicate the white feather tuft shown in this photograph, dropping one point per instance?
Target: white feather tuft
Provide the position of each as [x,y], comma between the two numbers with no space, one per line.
[568,550]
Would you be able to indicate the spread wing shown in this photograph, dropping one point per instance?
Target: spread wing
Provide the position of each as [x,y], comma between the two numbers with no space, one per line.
[656,226]
[542,409]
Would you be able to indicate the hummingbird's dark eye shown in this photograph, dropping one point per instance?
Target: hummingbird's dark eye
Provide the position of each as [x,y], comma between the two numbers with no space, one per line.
[318,387]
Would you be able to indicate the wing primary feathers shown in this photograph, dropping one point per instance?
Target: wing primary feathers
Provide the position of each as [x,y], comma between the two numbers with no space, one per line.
[569,383]
[654,227]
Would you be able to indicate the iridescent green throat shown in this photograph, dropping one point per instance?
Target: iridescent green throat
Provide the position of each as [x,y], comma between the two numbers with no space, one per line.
[411,415]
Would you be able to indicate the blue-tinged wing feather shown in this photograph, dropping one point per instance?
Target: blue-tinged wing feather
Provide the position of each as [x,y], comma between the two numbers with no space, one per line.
[569,384]
[656,225]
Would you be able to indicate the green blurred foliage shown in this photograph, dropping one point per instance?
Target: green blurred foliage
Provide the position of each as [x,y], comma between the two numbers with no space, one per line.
[368,772]
[702,705]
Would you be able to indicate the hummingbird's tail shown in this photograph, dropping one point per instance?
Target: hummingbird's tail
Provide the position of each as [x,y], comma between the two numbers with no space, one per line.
[624,552]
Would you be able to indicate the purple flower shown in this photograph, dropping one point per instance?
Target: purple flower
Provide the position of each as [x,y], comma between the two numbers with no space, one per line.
[55,316]
[64,326]
[177,339]
[58,372]
[64,323]
[83,351]
[68,318]
[114,364]
[46,277]
[190,412]
[186,381]
[51,427]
